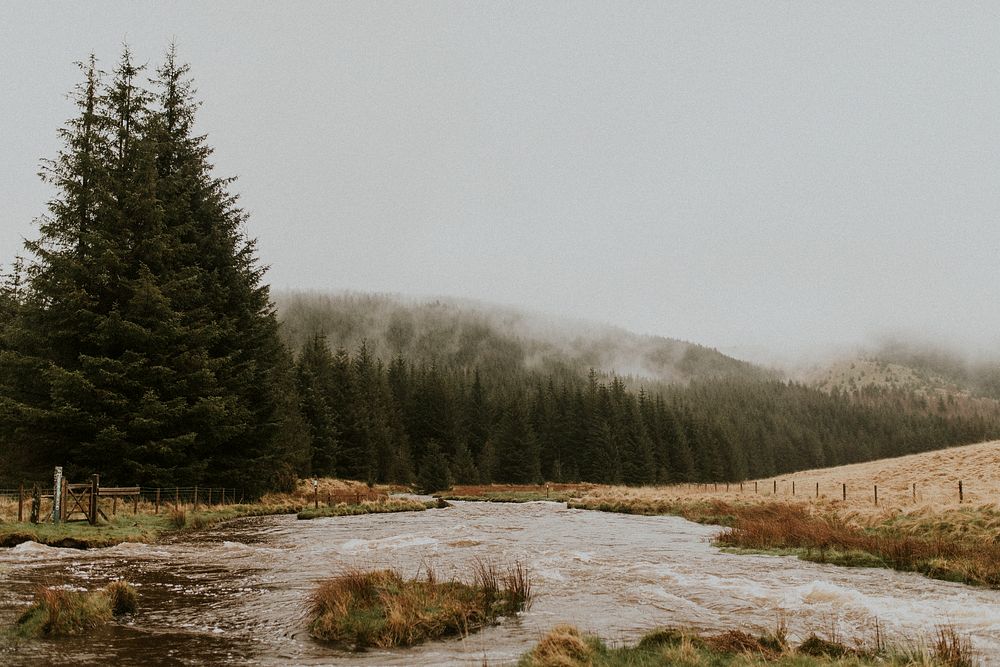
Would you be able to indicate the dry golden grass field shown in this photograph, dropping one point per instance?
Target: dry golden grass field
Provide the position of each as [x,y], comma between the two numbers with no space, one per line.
[936,476]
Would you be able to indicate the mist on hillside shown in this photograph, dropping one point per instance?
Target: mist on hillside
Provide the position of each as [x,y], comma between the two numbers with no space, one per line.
[490,336]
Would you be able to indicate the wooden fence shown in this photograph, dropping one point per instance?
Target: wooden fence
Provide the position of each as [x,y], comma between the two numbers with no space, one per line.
[88,501]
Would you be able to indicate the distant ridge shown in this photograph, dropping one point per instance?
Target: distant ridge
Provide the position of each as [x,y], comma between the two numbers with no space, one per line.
[490,337]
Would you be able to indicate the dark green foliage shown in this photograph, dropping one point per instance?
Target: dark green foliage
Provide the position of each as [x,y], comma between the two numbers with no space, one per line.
[434,473]
[145,346]
[532,428]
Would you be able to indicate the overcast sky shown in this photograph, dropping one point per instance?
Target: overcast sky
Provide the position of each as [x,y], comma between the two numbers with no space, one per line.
[763,177]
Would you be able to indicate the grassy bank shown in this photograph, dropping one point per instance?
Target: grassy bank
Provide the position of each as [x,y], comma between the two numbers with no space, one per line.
[57,612]
[386,507]
[380,608]
[565,646]
[140,527]
[335,497]
[516,493]
[955,545]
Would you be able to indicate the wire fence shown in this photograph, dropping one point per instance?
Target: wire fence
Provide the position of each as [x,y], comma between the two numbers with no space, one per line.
[15,504]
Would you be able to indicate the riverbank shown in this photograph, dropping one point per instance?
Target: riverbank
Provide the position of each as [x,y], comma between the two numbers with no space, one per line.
[565,646]
[516,493]
[953,544]
[149,522]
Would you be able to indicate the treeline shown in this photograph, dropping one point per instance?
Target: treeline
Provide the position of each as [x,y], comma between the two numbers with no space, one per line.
[437,424]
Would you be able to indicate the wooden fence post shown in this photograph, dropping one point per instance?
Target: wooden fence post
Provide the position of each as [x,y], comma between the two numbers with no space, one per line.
[195,497]
[36,503]
[177,497]
[876,494]
[845,491]
[157,500]
[209,496]
[755,487]
[775,487]
[114,505]
[135,502]
[57,495]
[817,489]
[95,490]
[914,492]
[741,487]
[961,493]
[20,503]
[63,508]
[793,487]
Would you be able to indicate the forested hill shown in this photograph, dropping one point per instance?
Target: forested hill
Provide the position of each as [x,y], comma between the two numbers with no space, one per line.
[497,339]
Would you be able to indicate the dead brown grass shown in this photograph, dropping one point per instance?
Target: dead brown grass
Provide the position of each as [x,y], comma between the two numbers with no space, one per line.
[926,483]
[380,608]
[331,491]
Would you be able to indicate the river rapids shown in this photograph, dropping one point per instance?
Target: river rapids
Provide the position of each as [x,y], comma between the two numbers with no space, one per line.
[237,593]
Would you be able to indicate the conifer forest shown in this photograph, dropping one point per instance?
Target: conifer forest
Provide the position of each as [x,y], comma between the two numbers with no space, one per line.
[140,340]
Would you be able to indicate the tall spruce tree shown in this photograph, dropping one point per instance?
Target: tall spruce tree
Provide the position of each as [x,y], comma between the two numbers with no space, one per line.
[146,347]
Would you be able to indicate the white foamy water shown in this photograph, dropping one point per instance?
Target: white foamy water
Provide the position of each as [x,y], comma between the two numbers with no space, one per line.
[237,594]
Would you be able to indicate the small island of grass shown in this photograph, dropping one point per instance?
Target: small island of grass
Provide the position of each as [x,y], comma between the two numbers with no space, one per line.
[380,608]
[58,612]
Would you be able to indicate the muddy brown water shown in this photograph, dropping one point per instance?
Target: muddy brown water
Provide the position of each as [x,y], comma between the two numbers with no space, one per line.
[236,594]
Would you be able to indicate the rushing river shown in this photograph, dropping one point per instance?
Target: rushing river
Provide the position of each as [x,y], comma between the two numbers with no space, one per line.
[236,594]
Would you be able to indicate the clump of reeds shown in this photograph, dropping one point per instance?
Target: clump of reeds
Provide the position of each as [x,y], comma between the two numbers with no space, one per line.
[951,649]
[58,612]
[563,646]
[178,517]
[380,608]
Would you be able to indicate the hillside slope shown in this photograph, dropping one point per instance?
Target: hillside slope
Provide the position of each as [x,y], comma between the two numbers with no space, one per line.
[494,338]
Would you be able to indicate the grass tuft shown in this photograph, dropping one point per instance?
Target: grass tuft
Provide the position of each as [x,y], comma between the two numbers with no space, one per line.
[380,608]
[58,612]
[565,646]
[178,517]
[123,598]
[951,649]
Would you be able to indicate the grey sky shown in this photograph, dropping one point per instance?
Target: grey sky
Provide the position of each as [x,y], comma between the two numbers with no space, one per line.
[773,176]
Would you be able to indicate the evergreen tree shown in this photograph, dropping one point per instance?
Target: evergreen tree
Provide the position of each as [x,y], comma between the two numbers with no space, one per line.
[147,348]
[434,473]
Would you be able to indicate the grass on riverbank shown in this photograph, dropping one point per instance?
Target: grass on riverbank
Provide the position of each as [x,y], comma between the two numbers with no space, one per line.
[516,493]
[380,608]
[144,524]
[565,646]
[139,527]
[385,507]
[957,545]
[58,612]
